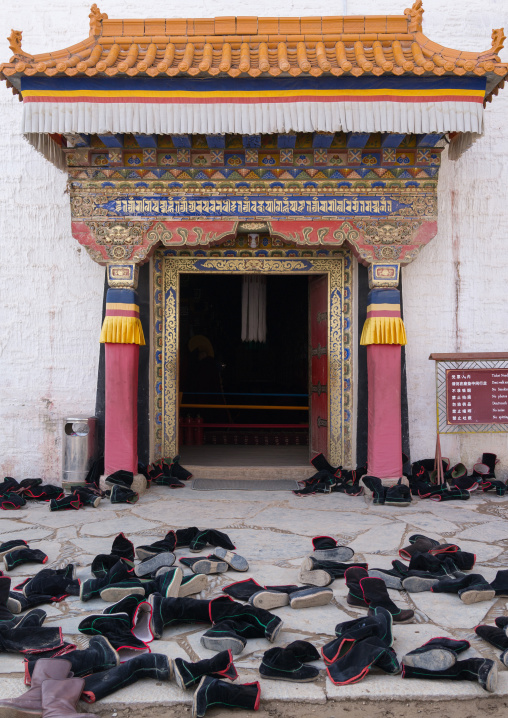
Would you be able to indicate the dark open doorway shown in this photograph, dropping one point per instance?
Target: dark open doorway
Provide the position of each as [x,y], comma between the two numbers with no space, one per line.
[223,379]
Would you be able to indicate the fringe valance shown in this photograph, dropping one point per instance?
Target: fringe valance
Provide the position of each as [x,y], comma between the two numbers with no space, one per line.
[384,330]
[122,330]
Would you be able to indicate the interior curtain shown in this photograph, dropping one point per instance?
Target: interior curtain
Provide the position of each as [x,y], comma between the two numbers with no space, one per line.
[254,309]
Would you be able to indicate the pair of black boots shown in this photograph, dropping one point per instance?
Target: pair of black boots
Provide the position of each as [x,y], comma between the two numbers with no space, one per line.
[397,495]
[496,635]
[320,572]
[81,496]
[361,645]
[268,597]
[192,537]
[49,585]
[17,552]
[437,659]
[14,494]
[371,592]
[290,663]
[167,473]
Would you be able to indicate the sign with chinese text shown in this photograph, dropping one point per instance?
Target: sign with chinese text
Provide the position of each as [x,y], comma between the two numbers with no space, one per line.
[477,396]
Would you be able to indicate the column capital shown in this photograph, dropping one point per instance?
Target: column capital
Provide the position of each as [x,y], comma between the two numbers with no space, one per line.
[123,276]
[384,275]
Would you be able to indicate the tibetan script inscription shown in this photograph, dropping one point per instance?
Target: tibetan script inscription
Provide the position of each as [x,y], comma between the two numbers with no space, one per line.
[252,207]
[477,396]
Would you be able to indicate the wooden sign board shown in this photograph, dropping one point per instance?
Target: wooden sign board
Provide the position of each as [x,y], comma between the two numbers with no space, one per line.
[472,393]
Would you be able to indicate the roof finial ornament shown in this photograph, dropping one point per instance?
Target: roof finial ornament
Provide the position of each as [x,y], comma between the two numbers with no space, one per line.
[498,38]
[15,41]
[414,15]
[96,18]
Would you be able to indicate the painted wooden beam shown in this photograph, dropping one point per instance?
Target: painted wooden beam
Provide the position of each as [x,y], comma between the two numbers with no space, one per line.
[286,142]
[146,140]
[322,140]
[180,141]
[430,140]
[357,140]
[216,142]
[112,140]
[391,139]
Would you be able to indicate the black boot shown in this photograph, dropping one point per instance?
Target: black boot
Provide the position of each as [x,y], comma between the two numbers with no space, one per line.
[421,544]
[234,560]
[165,545]
[243,590]
[212,537]
[472,588]
[167,584]
[120,478]
[327,549]
[206,565]
[495,636]
[437,654]
[355,595]
[53,582]
[178,471]
[374,484]
[398,495]
[500,583]
[375,594]
[316,572]
[219,666]
[139,612]
[151,665]
[320,463]
[99,656]
[88,496]
[11,501]
[122,495]
[149,566]
[228,636]
[214,692]
[223,608]
[391,577]
[30,640]
[192,584]
[119,581]
[376,625]
[11,546]
[482,670]
[492,485]
[309,596]
[171,611]
[269,599]
[123,548]
[66,503]
[281,664]
[353,666]
[116,628]
[24,555]
[5,613]
[44,492]
[304,651]
[185,536]
[18,602]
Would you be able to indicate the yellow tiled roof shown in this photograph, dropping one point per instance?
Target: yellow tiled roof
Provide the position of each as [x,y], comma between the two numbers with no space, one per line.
[258,46]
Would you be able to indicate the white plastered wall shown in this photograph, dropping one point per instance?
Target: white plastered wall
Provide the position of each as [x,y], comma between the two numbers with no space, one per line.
[51,291]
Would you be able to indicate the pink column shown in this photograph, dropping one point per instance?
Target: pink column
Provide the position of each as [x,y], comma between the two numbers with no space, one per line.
[121,420]
[384,452]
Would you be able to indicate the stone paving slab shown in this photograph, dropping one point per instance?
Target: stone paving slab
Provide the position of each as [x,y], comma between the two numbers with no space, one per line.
[273,531]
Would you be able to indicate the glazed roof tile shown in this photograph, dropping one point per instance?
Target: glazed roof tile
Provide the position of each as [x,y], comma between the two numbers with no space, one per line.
[258,46]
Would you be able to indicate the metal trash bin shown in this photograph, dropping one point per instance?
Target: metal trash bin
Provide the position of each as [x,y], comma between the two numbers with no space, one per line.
[79,448]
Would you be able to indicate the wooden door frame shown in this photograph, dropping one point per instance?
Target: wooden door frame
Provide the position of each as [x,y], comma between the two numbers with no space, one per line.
[166,306]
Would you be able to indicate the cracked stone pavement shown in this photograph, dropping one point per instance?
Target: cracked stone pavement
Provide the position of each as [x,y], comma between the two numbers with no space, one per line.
[273,530]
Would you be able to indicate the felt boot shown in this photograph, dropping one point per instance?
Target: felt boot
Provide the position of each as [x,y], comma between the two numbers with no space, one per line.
[492,485]
[172,611]
[119,581]
[377,625]
[23,555]
[192,584]
[122,547]
[99,656]
[495,636]
[237,563]
[224,608]
[431,656]
[332,568]
[33,618]
[185,536]
[243,590]
[432,564]
[117,629]
[482,670]
[320,463]
[354,665]
[43,492]
[167,583]
[30,639]
[207,565]
[10,546]
[375,594]
[398,495]
[88,496]
[139,612]
[178,471]
[304,651]
[228,636]
[451,644]
[214,692]
[310,597]
[391,577]
[5,614]
[11,501]
[122,495]
[281,664]
[165,545]
[53,582]
[472,588]
[501,621]
[327,549]
[212,537]
[103,563]
[99,685]
[453,494]
[375,485]
[18,602]
[219,666]
[269,599]
[311,574]
[490,460]
[120,478]
[29,704]
[500,583]
[422,544]
[149,566]
[66,503]
[355,595]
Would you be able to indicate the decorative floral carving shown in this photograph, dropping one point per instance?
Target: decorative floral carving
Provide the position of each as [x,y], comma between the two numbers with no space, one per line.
[96,18]
[386,232]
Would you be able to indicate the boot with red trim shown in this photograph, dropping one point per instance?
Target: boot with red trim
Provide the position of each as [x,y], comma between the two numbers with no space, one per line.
[213,692]
[221,665]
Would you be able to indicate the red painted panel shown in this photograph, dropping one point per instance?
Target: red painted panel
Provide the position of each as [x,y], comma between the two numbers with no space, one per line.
[318,397]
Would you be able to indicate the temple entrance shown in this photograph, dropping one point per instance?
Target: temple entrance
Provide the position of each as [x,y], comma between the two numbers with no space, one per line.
[254,363]
[244,368]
